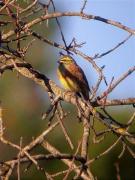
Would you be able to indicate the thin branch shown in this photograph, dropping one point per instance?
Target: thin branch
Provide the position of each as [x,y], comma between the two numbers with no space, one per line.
[83,7]
[29,7]
[62,14]
[106,151]
[59,25]
[117,82]
[53,150]
[97,56]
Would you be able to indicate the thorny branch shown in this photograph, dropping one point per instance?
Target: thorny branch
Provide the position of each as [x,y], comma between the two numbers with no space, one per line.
[14,58]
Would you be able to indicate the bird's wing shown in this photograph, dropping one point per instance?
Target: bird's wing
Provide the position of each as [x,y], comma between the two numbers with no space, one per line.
[79,74]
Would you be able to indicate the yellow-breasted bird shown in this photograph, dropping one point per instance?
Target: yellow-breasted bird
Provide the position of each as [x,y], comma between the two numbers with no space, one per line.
[72,76]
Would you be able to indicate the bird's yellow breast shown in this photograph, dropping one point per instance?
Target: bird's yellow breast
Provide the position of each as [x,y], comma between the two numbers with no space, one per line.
[67,82]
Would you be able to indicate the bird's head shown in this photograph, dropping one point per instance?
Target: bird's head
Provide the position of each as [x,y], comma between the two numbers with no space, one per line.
[65,59]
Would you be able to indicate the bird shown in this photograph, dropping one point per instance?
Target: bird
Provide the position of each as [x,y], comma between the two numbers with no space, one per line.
[72,76]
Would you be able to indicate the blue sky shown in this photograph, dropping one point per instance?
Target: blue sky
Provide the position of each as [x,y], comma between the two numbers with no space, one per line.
[100,37]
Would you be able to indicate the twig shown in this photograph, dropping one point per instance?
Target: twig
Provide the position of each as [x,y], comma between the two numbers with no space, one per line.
[29,7]
[53,150]
[105,152]
[59,25]
[18,164]
[83,7]
[70,168]
[97,56]
[60,119]
[117,171]
[116,82]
